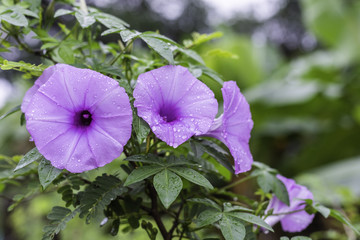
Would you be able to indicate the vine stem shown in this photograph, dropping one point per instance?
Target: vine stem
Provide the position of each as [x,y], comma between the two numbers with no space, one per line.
[155,214]
[121,53]
[233,184]
[286,213]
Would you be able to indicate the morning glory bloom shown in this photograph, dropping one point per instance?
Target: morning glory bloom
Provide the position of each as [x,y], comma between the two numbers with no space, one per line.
[174,103]
[79,119]
[233,127]
[294,222]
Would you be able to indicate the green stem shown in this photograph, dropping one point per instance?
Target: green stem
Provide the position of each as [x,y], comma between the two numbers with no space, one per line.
[286,213]
[121,53]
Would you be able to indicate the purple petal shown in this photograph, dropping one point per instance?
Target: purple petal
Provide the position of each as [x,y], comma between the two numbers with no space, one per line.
[104,147]
[174,103]
[233,127]
[113,114]
[79,119]
[294,222]
[40,81]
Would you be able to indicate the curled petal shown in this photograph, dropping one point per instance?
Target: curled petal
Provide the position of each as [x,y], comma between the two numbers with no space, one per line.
[233,127]
[294,222]
[79,119]
[174,103]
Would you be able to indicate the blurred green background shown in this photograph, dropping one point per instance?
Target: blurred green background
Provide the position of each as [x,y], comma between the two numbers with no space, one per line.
[296,61]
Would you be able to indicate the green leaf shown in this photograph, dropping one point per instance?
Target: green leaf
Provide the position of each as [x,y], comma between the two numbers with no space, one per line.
[99,194]
[341,218]
[208,217]
[284,238]
[110,31]
[15,18]
[266,181]
[280,191]
[216,152]
[23,67]
[8,3]
[211,74]
[127,35]
[300,238]
[115,227]
[11,111]
[110,21]
[202,38]
[206,202]
[66,54]
[49,45]
[140,127]
[168,186]
[47,173]
[322,209]
[192,176]
[84,19]
[142,173]
[61,12]
[59,217]
[250,218]
[192,54]
[160,47]
[31,156]
[149,158]
[232,228]
[228,207]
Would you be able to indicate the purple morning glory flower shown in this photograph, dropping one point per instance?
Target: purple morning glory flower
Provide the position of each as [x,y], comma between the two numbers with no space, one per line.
[79,119]
[294,222]
[233,127]
[174,103]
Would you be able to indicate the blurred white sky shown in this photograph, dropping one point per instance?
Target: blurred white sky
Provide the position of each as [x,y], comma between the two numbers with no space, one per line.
[258,9]
[222,9]
[5,91]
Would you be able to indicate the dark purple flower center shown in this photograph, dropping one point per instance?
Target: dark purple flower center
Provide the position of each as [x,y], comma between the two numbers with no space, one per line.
[169,113]
[83,118]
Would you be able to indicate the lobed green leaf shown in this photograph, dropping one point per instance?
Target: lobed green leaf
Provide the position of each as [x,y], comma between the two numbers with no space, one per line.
[142,173]
[192,176]
[47,173]
[30,157]
[168,186]
[232,228]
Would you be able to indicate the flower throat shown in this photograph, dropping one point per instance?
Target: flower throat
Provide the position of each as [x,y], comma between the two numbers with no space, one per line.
[83,118]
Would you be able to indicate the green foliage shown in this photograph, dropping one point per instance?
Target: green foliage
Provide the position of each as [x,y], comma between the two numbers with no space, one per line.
[269,182]
[192,176]
[59,217]
[141,173]
[47,173]
[231,228]
[141,128]
[30,157]
[153,172]
[296,238]
[21,66]
[99,194]
[168,186]
[11,111]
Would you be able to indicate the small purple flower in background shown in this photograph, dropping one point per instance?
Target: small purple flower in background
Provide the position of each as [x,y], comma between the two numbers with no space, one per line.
[174,103]
[79,119]
[233,127]
[294,222]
